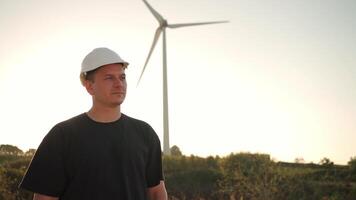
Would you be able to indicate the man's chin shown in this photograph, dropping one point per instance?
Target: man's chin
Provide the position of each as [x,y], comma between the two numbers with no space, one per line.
[117,103]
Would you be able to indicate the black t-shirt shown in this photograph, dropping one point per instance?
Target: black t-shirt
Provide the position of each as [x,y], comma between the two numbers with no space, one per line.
[83,159]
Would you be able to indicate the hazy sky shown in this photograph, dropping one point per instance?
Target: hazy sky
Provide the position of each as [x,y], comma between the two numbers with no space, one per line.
[280,78]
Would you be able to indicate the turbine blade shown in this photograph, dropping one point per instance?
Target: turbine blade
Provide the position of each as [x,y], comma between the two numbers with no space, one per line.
[155,39]
[195,24]
[154,12]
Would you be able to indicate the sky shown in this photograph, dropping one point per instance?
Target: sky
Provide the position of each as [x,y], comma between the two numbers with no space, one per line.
[279,79]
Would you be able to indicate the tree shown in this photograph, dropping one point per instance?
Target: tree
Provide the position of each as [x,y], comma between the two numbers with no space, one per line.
[249,176]
[175,151]
[191,177]
[299,160]
[6,149]
[326,162]
[11,174]
[30,152]
[352,165]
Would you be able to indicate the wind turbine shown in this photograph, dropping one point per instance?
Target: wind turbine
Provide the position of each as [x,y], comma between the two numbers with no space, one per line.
[163,24]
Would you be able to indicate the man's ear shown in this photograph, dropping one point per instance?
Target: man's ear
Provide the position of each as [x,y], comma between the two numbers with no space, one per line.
[89,86]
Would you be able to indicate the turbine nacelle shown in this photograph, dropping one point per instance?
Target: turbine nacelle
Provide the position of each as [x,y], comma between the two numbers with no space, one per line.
[163,23]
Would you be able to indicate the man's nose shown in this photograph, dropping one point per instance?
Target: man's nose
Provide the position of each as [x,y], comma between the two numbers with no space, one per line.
[118,82]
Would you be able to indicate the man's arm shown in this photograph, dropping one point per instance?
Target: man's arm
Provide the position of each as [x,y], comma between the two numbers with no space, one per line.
[37,196]
[157,192]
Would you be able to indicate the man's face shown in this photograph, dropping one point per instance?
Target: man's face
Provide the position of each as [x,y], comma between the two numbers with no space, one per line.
[108,87]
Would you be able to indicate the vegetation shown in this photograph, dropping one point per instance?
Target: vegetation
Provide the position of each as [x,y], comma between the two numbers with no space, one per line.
[241,176]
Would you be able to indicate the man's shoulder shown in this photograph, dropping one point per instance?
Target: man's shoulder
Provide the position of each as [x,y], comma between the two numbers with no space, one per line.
[143,128]
[62,129]
[138,123]
[134,120]
[76,120]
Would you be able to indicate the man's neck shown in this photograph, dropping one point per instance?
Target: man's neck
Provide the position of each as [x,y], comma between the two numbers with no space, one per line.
[104,114]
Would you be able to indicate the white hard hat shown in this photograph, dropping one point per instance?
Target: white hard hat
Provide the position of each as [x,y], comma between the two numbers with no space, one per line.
[100,57]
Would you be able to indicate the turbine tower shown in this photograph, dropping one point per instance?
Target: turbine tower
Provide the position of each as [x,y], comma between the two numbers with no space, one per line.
[163,24]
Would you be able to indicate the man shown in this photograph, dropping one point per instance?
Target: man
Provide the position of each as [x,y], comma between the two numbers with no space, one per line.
[101,154]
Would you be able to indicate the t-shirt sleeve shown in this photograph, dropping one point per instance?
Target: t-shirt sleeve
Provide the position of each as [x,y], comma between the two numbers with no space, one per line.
[46,173]
[154,173]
